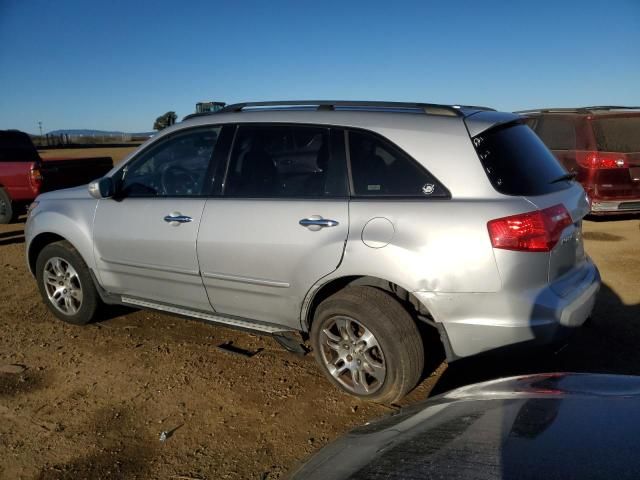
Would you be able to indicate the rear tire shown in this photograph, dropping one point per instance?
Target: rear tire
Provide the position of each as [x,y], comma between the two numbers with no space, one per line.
[65,283]
[367,344]
[7,209]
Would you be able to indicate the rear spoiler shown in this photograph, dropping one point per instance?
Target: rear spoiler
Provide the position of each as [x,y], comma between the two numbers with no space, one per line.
[484,120]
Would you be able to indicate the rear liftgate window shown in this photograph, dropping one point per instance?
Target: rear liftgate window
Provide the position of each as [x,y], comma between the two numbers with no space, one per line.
[517,162]
[618,134]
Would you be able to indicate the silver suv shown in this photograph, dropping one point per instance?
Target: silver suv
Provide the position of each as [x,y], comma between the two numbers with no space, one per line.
[354,224]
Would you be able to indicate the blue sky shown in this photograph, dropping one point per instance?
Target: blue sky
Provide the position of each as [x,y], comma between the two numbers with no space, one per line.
[117,65]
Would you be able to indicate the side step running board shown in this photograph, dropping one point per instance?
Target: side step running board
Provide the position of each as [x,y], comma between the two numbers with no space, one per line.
[209,317]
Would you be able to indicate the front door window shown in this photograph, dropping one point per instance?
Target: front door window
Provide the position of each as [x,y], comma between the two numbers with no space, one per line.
[176,167]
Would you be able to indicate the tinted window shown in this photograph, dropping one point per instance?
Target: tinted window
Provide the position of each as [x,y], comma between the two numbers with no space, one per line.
[173,167]
[17,147]
[379,168]
[618,134]
[557,133]
[517,162]
[282,161]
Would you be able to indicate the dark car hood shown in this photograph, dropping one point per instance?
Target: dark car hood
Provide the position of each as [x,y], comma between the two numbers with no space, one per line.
[551,426]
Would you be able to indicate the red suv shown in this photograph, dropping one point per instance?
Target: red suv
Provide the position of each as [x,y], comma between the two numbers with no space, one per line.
[601,145]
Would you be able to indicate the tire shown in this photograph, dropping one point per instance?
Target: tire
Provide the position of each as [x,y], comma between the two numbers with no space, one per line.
[7,209]
[386,366]
[60,291]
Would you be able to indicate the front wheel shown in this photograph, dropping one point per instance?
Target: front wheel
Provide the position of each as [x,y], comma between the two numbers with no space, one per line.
[367,344]
[65,283]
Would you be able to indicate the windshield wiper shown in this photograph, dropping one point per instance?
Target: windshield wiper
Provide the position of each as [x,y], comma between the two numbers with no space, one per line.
[566,177]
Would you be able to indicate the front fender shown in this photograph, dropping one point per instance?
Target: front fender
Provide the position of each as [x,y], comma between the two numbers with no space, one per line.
[70,219]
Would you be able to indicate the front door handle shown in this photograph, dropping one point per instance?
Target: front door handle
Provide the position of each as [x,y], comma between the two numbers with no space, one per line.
[316,222]
[176,218]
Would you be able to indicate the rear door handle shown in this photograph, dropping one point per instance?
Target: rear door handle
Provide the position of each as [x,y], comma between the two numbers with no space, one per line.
[316,222]
[176,218]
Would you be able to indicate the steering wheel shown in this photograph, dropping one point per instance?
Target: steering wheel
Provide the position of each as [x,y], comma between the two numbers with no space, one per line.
[177,180]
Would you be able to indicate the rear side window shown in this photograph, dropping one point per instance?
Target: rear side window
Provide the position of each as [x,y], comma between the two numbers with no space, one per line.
[557,133]
[17,147]
[380,169]
[285,161]
[617,134]
[517,162]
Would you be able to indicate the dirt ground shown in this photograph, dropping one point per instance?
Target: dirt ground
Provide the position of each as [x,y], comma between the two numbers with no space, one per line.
[93,401]
[116,153]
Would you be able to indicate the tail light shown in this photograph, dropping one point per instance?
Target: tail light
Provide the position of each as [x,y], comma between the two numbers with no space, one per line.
[537,231]
[35,178]
[602,160]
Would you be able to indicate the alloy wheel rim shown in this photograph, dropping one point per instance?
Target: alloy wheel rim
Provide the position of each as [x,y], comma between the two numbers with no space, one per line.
[3,207]
[352,355]
[63,287]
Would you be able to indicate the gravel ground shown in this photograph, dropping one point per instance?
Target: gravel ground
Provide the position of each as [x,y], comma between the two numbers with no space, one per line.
[92,401]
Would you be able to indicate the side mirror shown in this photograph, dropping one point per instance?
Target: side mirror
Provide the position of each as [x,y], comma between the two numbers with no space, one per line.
[101,188]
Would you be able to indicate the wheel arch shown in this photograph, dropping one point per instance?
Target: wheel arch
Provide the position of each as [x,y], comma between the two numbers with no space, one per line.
[37,244]
[9,199]
[320,293]
[55,220]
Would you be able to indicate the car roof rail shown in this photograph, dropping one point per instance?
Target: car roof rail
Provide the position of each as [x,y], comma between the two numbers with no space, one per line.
[329,105]
[554,110]
[612,107]
[591,109]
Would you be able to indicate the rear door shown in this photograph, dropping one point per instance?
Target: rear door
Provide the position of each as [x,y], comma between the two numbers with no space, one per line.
[281,224]
[518,163]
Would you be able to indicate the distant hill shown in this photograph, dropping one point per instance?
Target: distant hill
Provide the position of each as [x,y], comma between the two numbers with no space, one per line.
[97,133]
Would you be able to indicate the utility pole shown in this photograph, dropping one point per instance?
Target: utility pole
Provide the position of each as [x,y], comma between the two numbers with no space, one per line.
[40,126]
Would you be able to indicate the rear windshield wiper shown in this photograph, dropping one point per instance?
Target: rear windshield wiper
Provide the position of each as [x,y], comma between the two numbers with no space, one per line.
[566,177]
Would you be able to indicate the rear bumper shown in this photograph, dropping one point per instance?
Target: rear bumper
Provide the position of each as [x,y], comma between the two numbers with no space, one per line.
[473,323]
[608,207]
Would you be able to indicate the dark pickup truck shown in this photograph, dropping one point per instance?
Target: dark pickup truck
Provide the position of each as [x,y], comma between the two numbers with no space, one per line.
[24,175]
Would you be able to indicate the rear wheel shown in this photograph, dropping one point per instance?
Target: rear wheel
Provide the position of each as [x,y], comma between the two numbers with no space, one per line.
[7,209]
[367,344]
[65,283]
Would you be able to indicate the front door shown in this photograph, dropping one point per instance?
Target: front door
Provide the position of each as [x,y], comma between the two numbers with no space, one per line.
[145,237]
[281,224]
